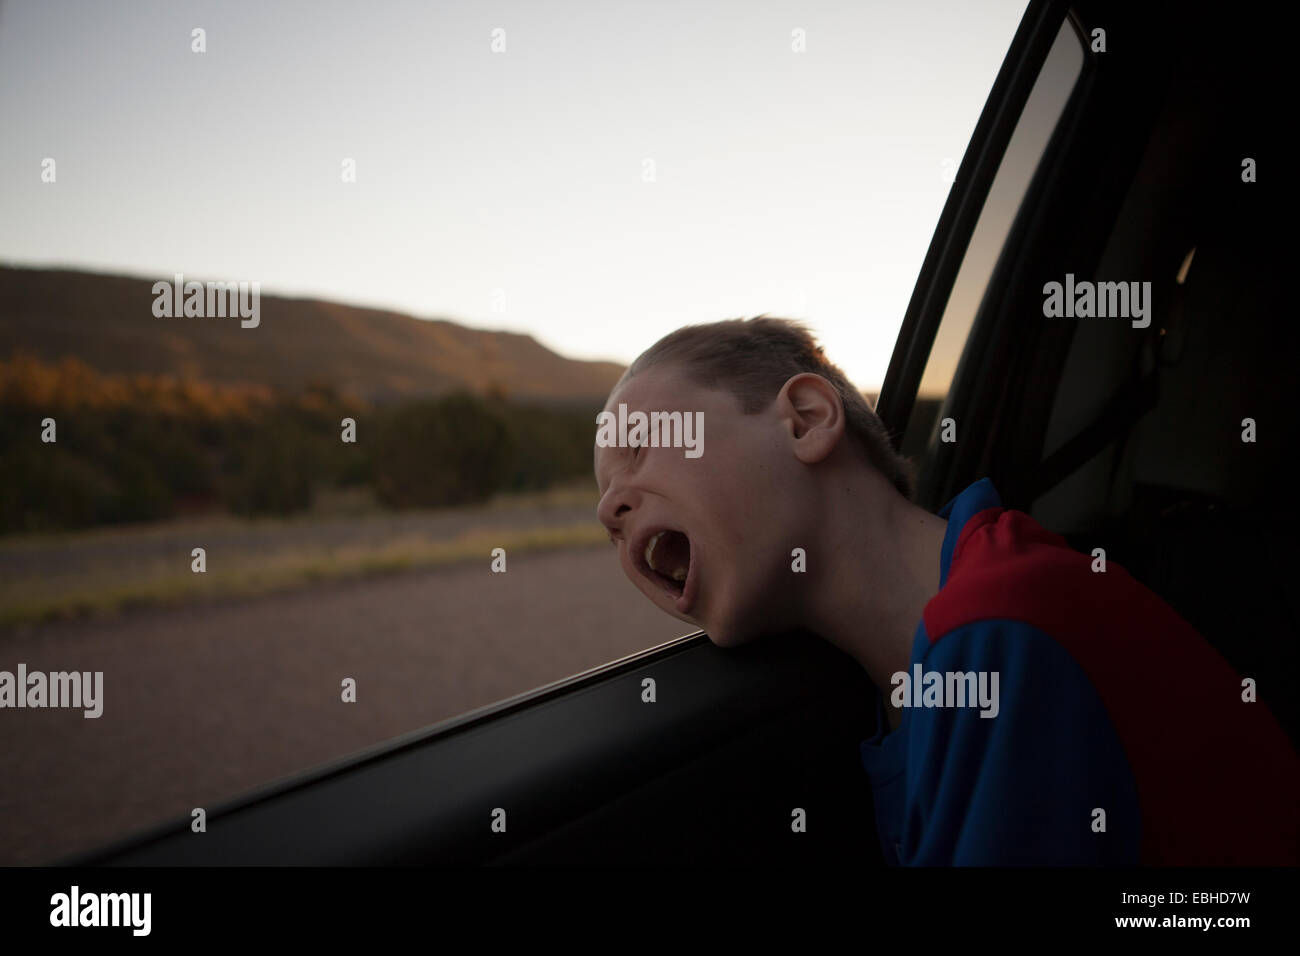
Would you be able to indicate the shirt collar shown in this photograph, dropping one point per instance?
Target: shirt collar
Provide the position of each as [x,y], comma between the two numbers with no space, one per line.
[976,498]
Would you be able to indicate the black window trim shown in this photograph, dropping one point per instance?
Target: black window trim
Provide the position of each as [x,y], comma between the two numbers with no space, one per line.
[961,213]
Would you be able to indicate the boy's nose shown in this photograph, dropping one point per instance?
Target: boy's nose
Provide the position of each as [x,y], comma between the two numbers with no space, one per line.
[613,508]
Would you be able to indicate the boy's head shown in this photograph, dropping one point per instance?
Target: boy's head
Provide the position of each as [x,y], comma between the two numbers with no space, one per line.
[784,432]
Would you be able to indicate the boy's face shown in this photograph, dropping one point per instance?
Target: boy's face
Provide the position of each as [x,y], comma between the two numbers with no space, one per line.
[731,513]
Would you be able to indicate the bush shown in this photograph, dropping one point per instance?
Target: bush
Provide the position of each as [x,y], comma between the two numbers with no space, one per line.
[447,451]
[132,448]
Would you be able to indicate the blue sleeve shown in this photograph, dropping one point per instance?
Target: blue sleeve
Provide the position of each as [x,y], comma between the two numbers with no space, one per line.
[1018,788]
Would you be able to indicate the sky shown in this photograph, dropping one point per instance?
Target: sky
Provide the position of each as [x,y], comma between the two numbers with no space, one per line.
[595,174]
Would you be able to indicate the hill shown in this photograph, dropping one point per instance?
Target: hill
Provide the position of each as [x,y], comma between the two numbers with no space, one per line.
[107,321]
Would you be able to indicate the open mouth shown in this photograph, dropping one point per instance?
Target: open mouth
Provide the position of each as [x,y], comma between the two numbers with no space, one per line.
[666,559]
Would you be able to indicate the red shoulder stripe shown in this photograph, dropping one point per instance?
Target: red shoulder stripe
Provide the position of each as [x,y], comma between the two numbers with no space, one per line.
[1217,778]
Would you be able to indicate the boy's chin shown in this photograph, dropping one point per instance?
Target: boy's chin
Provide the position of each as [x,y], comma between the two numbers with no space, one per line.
[729,634]
[733,630]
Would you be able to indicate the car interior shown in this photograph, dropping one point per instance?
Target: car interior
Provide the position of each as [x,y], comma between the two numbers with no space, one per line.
[1131,439]
[1120,164]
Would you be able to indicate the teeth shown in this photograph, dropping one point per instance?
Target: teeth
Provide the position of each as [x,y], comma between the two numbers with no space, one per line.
[678,574]
[649,550]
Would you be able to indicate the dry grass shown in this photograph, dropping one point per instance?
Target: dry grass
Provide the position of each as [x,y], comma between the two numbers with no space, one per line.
[80,578]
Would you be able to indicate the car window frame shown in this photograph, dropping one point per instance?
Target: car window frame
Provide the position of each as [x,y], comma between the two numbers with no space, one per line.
[964,210]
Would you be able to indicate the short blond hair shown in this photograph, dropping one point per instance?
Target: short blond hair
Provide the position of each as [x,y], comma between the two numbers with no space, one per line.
[753,358]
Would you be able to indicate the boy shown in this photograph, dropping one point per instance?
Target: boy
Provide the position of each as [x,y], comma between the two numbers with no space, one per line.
[1038,712]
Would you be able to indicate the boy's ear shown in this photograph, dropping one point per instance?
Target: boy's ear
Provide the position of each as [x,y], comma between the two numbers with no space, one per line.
[815,414]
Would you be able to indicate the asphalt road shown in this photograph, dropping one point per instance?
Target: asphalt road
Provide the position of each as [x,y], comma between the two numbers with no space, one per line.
[203,703]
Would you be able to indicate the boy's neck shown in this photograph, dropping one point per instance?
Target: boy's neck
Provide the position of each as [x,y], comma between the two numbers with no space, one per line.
[887,554]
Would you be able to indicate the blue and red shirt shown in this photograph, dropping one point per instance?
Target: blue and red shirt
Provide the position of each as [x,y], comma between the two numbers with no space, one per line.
[1120,738]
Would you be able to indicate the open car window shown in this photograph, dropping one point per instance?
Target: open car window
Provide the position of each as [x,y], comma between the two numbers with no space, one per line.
[299,398]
